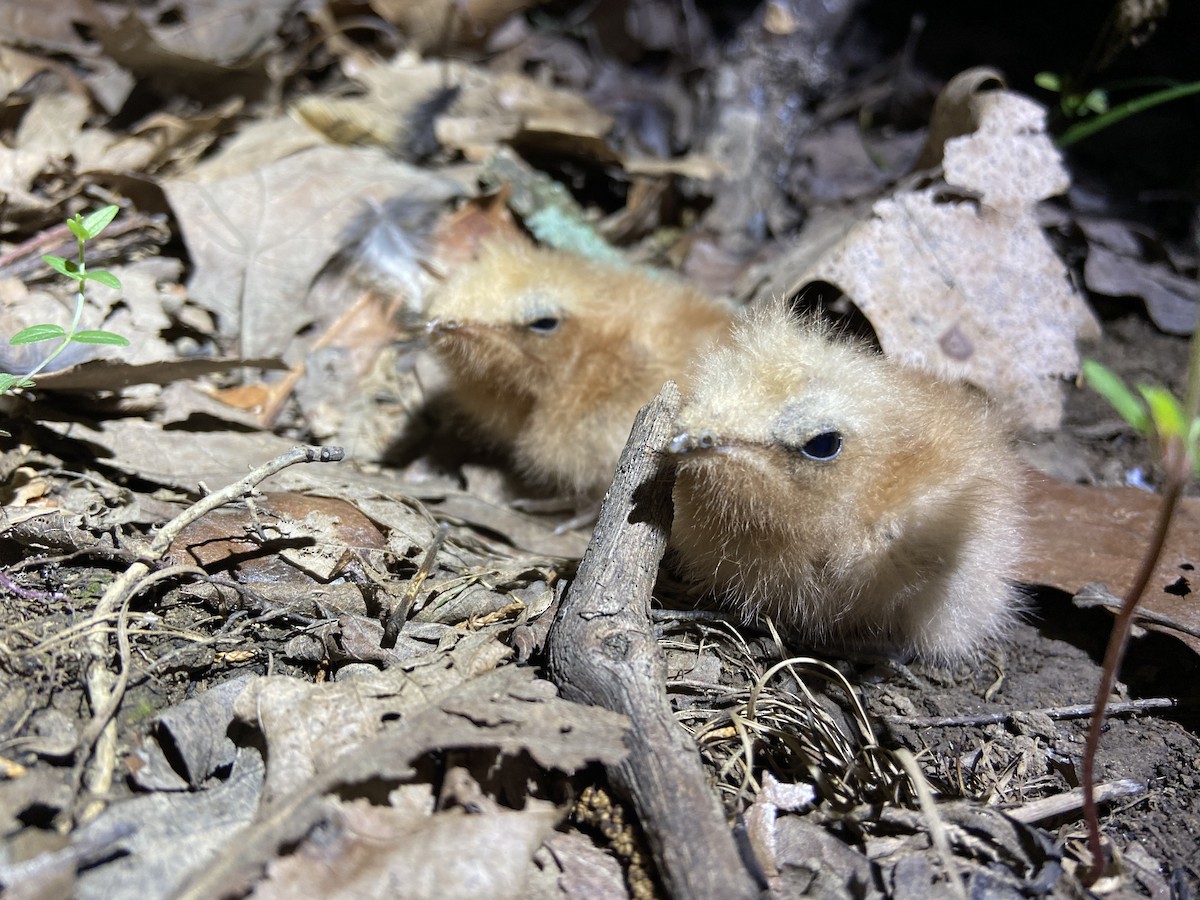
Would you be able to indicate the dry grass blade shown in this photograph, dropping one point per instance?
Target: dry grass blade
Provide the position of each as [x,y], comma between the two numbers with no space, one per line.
[792,731]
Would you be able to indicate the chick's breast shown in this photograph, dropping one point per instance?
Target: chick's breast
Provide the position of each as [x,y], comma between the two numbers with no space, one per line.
[857,502]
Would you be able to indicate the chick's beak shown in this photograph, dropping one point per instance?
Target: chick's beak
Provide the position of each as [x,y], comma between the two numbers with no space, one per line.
[440,326]
[690,441]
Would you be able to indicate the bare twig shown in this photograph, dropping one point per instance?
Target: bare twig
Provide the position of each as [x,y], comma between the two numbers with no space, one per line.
[602,650]
[1071,801]
[98,742]
[1117,642]
[394,617]
[1078,711]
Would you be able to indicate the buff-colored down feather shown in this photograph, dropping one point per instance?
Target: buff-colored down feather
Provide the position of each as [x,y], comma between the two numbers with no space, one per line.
[857,502]
[551,356]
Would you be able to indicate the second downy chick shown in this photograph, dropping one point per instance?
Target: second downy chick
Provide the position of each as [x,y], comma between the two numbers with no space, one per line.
[551,356]
[856,501]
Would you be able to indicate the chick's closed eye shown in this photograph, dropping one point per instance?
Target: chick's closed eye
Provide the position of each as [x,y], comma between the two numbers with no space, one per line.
[544,324]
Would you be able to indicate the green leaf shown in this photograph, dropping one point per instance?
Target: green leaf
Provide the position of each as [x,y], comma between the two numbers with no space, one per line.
[1096,101]
[77,229]
[100,337]
[96,222]
[105,278]
[35,333]
[1048,81]
[1127,404]
[8,382]
[63,266]
[1166,411]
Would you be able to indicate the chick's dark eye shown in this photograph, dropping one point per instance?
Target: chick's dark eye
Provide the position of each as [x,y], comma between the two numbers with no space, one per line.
[544,325]
[824,446]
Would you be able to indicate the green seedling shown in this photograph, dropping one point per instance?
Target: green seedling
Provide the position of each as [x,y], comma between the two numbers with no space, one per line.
[1072,103]
[85,228]
[1175,429]
[1094,109]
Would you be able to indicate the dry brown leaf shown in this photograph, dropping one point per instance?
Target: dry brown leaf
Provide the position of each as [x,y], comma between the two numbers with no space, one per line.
[16,69]
[514,107]
[1117,266]
[198,34]
[393,107]
[307,727]
[1009,159]
[170,834]
[438,23]
[1079,535]
[378,492]
[348,732]
[176,458]
[969,289]
[256,145]
[230,536]
[258,239]
[487,110]
[181,140]
[1170,298]
[349,120]
[112,375]
[52,124]
[249,397]
[31,23]
[373,851]
[955,112]
[458,235]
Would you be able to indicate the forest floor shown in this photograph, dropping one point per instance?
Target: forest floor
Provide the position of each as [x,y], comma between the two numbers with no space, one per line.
[338,686]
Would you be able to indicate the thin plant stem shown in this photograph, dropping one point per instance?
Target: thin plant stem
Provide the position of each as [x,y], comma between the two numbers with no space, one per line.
[66,340]
[1117,642]
[1086,129]
[1191,400]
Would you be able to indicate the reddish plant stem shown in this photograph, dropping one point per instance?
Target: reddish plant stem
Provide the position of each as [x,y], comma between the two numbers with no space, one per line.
[1115,653]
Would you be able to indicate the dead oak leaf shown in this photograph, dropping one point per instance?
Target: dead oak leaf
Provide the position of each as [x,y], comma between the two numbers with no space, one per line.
[1108,533]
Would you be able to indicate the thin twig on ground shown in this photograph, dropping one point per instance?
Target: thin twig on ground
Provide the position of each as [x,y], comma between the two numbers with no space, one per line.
[602,650]
[97,747]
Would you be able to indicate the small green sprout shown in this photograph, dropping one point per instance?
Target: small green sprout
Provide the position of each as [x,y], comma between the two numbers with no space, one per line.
[1072,103]
[1156,413]
[1094,109]
[85,228]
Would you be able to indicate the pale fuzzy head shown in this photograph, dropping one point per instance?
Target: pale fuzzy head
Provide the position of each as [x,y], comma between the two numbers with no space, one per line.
[851,498]
[782,377]
[553,355]
[511,317]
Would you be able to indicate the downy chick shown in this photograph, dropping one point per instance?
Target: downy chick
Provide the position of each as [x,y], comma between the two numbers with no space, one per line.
[551,355]
[858,502]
